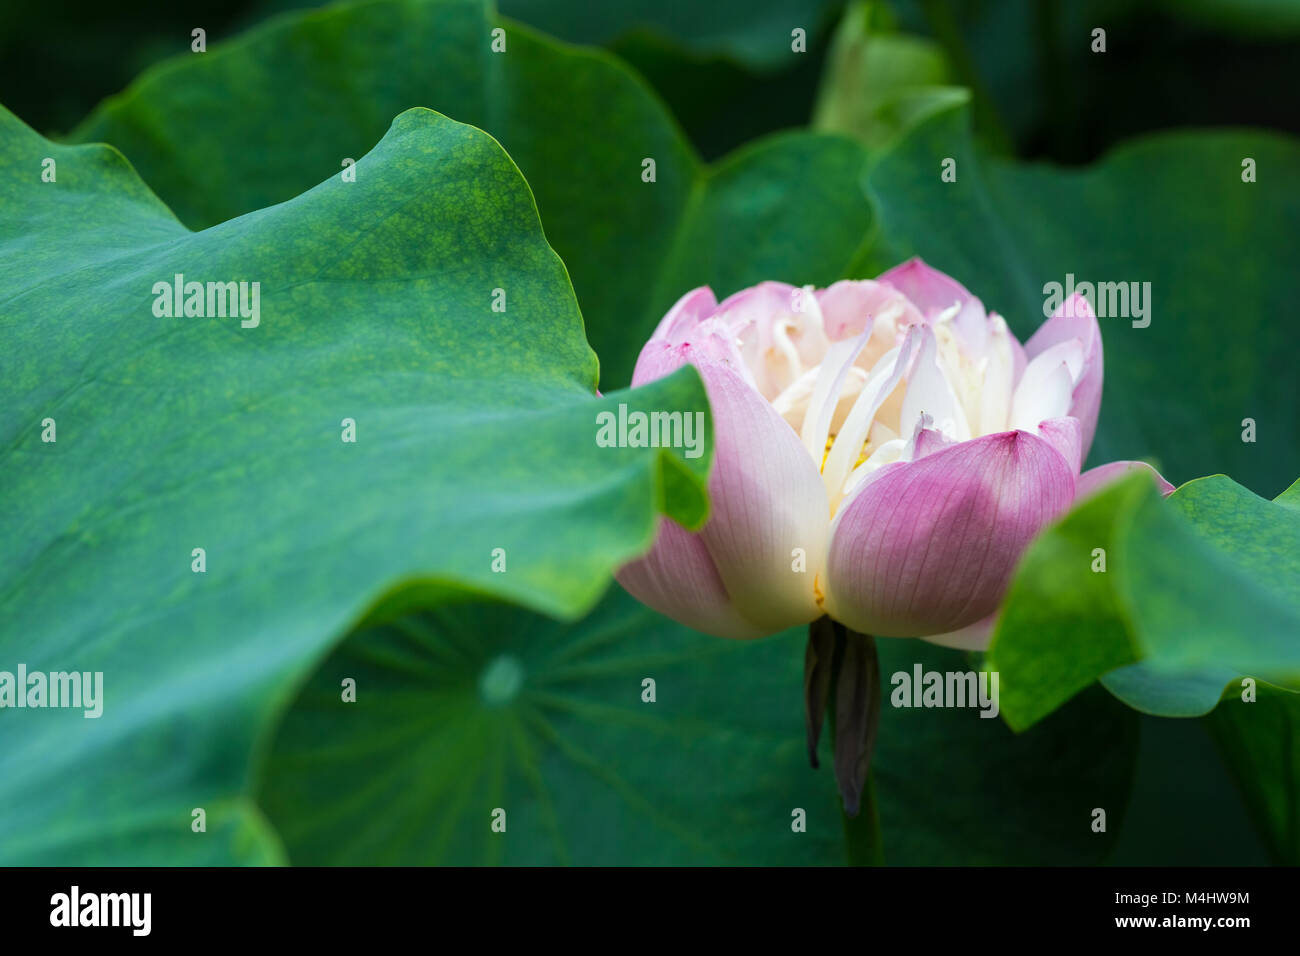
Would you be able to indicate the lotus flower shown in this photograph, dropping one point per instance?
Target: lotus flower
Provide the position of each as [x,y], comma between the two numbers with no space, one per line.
[885,451]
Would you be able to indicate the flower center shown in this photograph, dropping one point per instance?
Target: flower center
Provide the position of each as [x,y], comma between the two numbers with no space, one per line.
[861,399]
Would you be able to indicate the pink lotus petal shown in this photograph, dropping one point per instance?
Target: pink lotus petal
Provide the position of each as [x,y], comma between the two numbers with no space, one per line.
[926,440]
[850,303]
[767,499]
[753,311]
[1074,319]
[685,314]
[934,292]
[678,578]
[709,342]
[972,637]
[1066,436]
[929,546]
[761,300]
[931,290]
[1094,479]
[773,319]
[766,494]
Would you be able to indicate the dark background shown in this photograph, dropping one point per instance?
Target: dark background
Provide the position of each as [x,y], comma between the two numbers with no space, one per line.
[1040,92]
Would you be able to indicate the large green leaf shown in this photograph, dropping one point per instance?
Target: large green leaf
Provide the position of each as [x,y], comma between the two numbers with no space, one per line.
[1217,349]
[1195,591]
[475,431]
[261,118]
[464,710]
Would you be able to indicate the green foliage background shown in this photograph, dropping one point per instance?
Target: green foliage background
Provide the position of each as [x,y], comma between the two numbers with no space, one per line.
[522,171]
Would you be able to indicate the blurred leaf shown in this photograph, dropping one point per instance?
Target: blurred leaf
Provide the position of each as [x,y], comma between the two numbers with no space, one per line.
[259,119]
[1259,18]
[1180,694]
[464,710]
[1219,278]
[1166,64]
[475,430]
[756,33]
[728,70]
[1199,589]
[880,83]
[720,103]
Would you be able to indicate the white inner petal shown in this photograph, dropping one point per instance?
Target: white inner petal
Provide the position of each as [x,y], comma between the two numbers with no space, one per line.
[886,454]
[1047,387]
[930,392]
[781,339]
[826,394]
[999,368]
[848,443]
[859,402]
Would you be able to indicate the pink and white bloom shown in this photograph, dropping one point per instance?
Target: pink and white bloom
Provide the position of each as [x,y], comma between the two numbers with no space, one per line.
[885,451]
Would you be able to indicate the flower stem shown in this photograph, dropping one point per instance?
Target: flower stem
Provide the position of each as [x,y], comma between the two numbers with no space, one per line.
[842,679]
[862,833]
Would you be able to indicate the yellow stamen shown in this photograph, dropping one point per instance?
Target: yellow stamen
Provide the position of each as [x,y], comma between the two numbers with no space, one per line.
[863,454]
